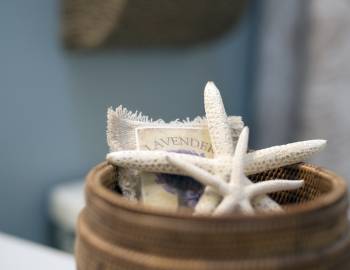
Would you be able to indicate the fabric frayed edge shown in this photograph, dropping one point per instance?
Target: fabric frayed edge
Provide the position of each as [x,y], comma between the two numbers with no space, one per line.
[136,119]
[124,113]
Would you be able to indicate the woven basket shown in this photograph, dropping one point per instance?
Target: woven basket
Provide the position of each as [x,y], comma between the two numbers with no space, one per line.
[96,23]
[313,233]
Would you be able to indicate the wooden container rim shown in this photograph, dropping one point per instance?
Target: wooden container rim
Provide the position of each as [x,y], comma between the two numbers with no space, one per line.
[337,192]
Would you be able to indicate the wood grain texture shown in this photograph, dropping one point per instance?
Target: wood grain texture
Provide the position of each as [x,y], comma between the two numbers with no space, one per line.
[313,233]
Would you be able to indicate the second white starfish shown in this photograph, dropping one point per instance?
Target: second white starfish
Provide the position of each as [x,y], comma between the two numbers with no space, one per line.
[239,191]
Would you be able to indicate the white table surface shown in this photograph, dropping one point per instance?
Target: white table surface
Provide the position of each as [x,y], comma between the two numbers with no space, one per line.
[18,254]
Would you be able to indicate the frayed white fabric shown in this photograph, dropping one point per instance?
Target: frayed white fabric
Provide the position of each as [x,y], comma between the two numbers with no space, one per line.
[121,128]
[122,123]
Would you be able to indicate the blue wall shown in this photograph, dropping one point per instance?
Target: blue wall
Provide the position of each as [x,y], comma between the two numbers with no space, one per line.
[53,103]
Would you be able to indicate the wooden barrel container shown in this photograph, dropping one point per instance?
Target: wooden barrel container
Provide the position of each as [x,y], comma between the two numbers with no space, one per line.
[313,232]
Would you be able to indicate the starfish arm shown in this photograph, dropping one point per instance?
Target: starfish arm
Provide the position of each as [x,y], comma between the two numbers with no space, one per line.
[274,157]
[264,203]
[246,207]
[199,174]
[270,186]
[226,206]
[156,162]
[237,171]
[279,156]
[254,162]
[221,139]
[219,128]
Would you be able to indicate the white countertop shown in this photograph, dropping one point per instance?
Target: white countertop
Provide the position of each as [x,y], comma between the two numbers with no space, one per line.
[18,254]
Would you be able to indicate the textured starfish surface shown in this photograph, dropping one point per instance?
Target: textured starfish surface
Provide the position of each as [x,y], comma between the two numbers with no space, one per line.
[223,147]
[239,191]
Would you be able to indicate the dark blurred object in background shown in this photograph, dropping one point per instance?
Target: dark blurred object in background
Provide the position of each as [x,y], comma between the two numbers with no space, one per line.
[91,24]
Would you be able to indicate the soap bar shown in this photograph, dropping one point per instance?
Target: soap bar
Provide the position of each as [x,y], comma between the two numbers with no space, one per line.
[154,195]
[165,190]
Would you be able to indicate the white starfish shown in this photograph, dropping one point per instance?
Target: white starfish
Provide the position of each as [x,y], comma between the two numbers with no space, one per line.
[223,147]
[239,191]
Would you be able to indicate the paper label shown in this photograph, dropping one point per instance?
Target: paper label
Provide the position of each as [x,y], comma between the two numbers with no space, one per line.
[172,191]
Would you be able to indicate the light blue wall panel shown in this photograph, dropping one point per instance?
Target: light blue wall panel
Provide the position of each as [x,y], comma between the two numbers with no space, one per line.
[53,102]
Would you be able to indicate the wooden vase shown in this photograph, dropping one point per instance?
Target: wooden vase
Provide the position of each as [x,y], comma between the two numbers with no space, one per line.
[312,232]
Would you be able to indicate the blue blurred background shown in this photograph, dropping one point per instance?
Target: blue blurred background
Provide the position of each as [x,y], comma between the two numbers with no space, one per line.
[53,101]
